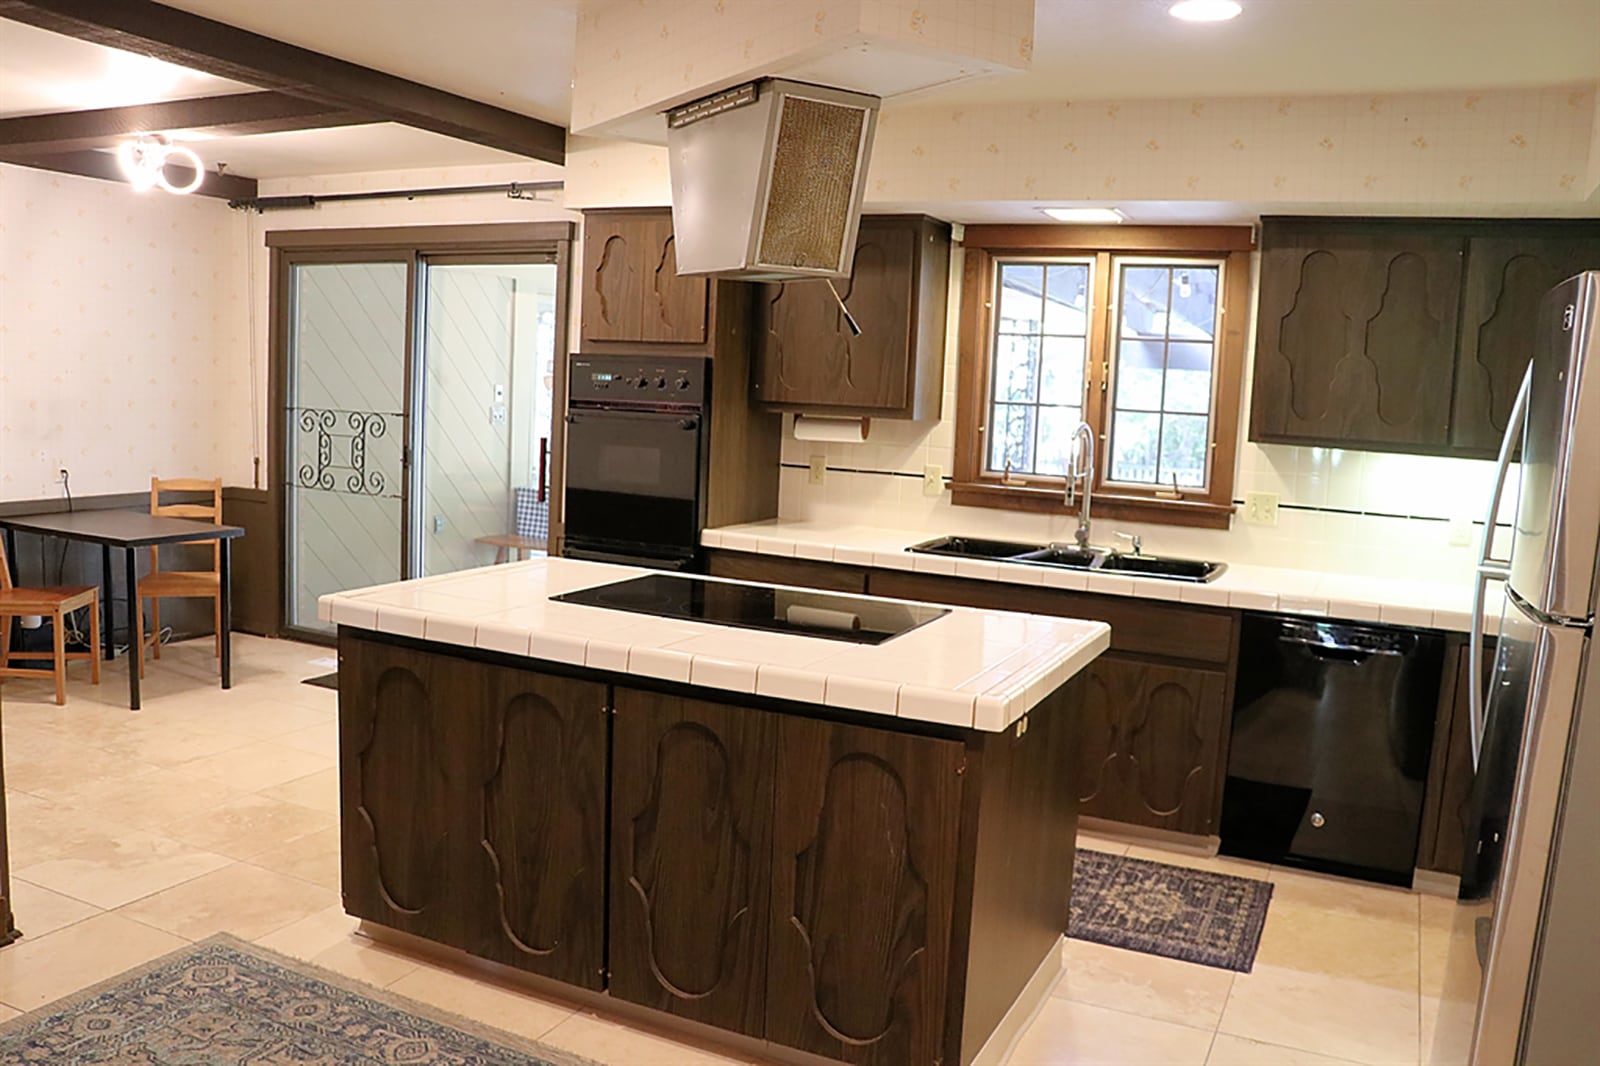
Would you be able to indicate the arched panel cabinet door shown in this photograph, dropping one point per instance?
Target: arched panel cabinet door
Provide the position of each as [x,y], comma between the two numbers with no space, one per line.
[405,800]
[863,877]
[1506,280]
[1355,334]
[691,833]
[807,359]
[539,803]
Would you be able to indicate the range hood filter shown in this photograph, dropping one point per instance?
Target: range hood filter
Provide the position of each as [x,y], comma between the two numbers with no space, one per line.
[767,180]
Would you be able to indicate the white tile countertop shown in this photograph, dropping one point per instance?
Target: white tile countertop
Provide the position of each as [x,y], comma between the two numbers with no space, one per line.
[1258,588]
[969,668]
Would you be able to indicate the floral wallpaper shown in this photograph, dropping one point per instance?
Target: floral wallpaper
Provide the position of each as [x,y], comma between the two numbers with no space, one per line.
[1527,146]
[119,313]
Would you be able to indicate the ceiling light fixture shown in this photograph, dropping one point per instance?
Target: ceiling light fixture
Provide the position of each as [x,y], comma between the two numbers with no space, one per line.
[1085,214]
[1205,10]
[144,161]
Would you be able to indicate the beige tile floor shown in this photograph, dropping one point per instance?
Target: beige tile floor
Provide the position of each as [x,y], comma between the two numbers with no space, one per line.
[208,811]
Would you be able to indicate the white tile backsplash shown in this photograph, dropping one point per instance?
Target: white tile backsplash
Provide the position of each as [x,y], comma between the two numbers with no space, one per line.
[1377,514]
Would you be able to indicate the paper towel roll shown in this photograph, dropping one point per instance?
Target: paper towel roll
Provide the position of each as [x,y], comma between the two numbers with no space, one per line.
[815,427]
[797,614]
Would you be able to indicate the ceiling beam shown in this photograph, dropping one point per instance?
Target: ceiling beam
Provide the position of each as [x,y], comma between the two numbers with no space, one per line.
[213,47]
[237,115]
[104,165]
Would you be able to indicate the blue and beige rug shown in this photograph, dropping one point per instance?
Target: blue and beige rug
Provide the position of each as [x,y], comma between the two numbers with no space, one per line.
[223,1002]
[1166,910]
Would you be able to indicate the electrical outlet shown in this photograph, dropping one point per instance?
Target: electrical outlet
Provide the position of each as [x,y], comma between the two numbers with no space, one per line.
[497,415]
[819,470]
[932,480]
[1261,508]
[1460,532]
[438,523]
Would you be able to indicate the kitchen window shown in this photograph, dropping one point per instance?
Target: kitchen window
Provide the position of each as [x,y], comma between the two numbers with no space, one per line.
[1127,329]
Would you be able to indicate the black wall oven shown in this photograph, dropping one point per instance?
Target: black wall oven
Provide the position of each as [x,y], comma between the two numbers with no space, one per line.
[636,459]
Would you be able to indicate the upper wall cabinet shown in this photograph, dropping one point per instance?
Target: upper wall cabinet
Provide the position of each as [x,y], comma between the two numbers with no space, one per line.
[1507,277]
[1355,332]
[808,360]
[631,288]
[1402,335]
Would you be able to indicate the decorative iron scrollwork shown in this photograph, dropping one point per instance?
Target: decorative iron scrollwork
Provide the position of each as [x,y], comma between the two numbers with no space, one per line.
[363,426]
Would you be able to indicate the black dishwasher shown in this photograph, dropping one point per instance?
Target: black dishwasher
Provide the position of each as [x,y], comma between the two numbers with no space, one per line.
[1332,730]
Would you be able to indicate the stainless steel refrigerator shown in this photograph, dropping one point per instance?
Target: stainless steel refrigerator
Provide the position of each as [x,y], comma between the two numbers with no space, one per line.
[1520,982]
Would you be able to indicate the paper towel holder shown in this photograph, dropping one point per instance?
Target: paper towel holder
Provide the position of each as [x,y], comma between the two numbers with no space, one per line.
[831,428]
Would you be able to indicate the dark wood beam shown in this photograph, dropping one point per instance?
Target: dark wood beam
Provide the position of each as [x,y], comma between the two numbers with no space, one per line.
[104,165]
[237,115]
[216,48]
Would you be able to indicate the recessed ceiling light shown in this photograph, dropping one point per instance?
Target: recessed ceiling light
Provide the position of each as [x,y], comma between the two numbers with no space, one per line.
[1204,10]
[1084,214]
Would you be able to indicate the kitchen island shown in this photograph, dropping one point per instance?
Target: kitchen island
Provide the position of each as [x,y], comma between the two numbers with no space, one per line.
[806,842]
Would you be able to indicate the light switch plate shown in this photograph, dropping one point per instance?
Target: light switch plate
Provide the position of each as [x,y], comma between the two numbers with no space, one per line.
[819,470]
[1261,508]
[932,480]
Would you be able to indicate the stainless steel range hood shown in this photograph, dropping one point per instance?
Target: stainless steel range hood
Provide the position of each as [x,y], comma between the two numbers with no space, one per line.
[767,179]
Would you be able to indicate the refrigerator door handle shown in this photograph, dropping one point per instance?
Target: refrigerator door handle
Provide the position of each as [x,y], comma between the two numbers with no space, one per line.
[1502,469]
[1475,694]
[1490,568]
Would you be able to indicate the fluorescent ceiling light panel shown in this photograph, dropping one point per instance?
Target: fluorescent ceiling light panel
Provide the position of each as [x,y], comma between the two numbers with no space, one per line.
[1204,10]
[1084,214]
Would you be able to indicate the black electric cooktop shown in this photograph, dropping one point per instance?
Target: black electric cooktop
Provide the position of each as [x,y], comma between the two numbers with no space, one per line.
[801,612]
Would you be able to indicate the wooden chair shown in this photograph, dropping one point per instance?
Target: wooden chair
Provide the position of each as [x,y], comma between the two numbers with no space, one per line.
[162,584]
[54,603]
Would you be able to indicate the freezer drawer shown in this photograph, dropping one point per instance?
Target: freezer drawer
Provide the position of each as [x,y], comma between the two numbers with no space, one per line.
[1332,730]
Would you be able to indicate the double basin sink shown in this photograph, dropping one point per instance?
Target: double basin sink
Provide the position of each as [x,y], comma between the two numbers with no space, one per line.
[1100,560]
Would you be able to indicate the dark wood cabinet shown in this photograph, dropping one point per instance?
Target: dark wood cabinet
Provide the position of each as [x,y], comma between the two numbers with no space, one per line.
[1446,804]
[808,360]
[873,890]
[781,570]
[863,880]
[1148,748]
[691,841]
[1355,331]
[632,291]
[1506,279]
[1403,334]
[472,803]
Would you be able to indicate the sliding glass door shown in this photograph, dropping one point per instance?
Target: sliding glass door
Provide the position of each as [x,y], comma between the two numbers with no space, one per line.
[346,429]
[416,415]
[486,366]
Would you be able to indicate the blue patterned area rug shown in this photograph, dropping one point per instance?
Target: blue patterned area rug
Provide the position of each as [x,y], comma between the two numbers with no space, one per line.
[1172,911]
[223,1002]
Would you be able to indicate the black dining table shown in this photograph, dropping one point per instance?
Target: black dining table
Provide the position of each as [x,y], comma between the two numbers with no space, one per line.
[131,530]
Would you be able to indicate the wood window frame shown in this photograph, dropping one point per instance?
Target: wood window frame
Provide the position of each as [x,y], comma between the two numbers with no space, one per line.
[974,486]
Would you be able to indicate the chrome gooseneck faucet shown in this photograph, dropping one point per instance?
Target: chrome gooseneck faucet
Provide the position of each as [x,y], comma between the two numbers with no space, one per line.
[1082,467]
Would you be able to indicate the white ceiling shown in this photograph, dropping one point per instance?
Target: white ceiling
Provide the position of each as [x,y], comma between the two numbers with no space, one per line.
[517,54]
[1123,49]
[42,72]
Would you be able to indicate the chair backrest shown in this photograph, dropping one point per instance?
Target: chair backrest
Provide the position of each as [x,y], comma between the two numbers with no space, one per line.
[5,566]
[211,512]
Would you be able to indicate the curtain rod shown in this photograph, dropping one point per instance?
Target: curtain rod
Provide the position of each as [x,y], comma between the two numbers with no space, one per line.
[516,190]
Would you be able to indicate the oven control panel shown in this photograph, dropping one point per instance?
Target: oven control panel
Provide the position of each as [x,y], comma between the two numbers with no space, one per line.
[608,379]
